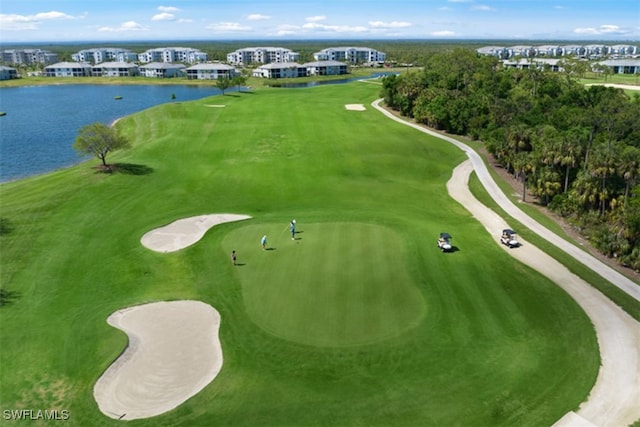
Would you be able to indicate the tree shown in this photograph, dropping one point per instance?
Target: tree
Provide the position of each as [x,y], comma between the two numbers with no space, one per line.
[239,81]
[223,83]
[99,140]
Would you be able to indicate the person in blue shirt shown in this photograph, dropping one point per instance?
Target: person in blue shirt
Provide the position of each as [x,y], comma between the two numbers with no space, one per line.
[263,242]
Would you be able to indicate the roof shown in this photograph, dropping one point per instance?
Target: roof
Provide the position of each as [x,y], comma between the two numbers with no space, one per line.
[211,66]
[445,235]
[115,65]
[324,64]
[166,65]
[621,63]
[69,65]
[280,65]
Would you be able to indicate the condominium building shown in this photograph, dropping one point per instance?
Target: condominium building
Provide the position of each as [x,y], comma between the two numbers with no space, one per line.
[212,71]
[183,55]
[28,56]
[262,55]
[104,54]
[68,69]
[115,69]
[592,51]
[352,55]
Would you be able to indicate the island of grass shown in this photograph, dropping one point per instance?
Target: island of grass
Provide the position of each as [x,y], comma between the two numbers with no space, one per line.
[359,320]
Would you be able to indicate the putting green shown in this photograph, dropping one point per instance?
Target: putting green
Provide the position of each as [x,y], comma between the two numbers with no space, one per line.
[337,284]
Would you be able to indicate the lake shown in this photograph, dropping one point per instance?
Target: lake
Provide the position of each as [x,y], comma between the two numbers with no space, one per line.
[42,122]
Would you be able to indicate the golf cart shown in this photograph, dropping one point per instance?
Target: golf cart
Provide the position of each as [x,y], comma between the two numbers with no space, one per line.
[444,242]
[509,238]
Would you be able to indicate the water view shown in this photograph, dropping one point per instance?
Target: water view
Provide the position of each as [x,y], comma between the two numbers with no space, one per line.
[41,122]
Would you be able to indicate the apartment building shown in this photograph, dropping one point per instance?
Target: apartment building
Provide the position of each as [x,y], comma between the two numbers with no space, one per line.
[28,56]
[212,71]
[68,69]
[262,55]
[184,55]
[352,55]
[104,54]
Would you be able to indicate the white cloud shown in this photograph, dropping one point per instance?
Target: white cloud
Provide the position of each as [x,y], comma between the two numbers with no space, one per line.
[163,17]
[444,33]
[168,9]
[124,27]
[483,7]
[258,17]
[335,28]
[601,30]
[29,22]
[316,18]
[394,24]
[228,27]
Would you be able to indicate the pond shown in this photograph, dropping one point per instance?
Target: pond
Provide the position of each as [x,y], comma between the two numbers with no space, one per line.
[41,122]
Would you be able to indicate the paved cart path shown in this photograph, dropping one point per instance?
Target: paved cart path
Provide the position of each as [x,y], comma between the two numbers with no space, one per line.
[614,400]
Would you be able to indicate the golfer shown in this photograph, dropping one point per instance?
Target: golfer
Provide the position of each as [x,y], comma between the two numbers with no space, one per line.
[292,227]
[263,242]
[233,257]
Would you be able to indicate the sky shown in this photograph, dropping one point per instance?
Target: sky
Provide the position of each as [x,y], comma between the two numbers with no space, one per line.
[23,21]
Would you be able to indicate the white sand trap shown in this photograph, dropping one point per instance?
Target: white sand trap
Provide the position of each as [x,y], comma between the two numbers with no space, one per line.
[215,105]
[173,353]
[355,107]
[184,232]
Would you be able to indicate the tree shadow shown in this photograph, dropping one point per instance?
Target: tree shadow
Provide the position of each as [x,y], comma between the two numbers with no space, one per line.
[6,226]
[126,169]
[132,169]
[8,297]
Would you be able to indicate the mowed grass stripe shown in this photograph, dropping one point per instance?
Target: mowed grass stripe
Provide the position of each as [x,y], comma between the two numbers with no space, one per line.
[338,284]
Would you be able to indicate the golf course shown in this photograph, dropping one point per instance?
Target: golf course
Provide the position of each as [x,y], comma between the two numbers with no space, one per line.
[358,319]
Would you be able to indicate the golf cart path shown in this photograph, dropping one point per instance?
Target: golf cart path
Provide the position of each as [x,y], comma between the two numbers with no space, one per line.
[613,401]
[619,280]
[614,398]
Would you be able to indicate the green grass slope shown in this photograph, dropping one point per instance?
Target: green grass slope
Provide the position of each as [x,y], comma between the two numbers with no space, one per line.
[361,321]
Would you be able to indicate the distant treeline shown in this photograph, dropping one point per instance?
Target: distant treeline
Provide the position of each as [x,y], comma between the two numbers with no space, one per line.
[576,148]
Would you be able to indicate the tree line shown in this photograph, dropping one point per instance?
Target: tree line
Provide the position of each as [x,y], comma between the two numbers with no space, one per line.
[575,148]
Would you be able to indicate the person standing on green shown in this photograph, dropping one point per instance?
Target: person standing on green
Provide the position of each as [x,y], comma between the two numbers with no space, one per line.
[292,227]
[263,242]
[233,257]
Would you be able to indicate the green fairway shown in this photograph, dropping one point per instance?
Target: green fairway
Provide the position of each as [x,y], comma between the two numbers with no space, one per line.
[335,285]
[359,321]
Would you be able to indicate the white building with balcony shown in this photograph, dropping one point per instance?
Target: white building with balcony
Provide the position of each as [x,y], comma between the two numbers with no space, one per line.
[262,55]
[352,55]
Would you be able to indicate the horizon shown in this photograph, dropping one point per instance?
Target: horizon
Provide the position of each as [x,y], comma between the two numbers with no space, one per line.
[72,21]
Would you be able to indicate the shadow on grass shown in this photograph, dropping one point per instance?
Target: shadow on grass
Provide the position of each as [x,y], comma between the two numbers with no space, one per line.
[5,226]
[8,297]
[126,169]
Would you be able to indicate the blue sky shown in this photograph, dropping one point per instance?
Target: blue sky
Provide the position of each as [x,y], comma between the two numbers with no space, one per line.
[122,20]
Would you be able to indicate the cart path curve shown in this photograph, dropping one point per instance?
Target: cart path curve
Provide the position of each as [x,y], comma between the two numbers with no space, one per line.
[613,399]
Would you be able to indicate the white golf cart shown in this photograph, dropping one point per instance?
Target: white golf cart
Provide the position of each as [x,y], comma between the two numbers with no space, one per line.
[509,238]
[444,242]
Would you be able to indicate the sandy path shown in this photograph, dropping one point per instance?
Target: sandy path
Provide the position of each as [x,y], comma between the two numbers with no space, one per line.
[614,399]
[184,232]
[173,353]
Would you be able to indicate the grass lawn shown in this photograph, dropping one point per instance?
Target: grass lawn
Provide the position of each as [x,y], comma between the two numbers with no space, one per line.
[359,321]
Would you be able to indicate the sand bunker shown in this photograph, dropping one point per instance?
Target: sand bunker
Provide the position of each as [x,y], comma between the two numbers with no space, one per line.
[214,105]
[173,353]
[355,107]
[184,232]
